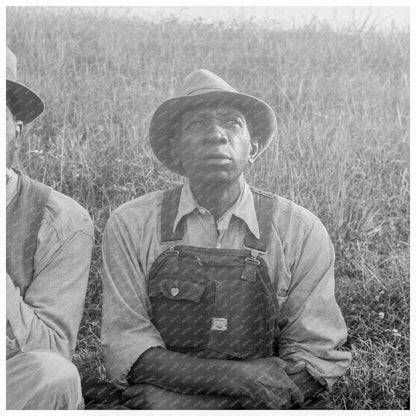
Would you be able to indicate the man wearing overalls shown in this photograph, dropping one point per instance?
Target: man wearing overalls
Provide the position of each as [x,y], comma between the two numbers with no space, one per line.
[49,239]
[218,295]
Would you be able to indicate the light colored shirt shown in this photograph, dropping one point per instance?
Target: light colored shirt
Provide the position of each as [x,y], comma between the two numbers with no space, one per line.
[300,261]
[49,314]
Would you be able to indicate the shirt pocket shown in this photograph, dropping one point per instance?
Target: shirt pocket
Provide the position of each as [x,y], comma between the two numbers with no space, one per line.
[179,313]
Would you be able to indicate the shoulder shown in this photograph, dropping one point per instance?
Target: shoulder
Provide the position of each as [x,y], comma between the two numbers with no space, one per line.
[140,210]
[66,216]
[292,222]
[285,210]
[298,233]
[140,205]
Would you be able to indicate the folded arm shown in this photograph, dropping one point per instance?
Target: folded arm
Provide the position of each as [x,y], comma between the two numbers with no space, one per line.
[313,332]
[49,315]
[260,383]
[132,343]
[314,328]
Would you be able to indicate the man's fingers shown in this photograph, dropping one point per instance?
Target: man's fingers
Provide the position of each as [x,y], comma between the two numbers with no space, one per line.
[279,362]
[132,391]
[293,367]
[135,403]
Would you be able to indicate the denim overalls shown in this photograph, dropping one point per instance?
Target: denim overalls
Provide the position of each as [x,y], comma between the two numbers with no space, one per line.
[214,303]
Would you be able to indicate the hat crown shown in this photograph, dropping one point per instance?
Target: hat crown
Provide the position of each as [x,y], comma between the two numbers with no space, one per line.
[24,103]
[202,87]
[202,81]
[11,65]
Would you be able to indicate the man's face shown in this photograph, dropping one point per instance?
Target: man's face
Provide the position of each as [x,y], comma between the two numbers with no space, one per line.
[12,134]
[215,145]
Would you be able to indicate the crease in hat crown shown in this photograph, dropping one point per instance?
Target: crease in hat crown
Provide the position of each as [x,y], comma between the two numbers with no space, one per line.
[202,87]
[202,81]
[26,105]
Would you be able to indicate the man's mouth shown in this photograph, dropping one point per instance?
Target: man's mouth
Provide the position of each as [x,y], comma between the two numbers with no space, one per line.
[216,156]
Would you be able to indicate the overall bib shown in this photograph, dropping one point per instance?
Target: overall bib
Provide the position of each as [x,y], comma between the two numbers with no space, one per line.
[214,303]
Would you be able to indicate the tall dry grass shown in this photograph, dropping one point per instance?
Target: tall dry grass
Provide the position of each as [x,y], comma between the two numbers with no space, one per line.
[342,101]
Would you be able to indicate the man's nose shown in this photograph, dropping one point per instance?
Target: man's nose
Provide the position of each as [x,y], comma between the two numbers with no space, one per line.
[215,133]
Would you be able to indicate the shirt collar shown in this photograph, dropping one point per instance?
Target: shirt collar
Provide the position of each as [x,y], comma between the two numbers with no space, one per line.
[243,208]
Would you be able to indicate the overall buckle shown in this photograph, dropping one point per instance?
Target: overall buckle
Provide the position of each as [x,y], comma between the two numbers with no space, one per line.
[172,252]
[250,268]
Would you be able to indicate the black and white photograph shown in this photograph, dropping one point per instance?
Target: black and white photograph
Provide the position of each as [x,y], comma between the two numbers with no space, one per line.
[207,207]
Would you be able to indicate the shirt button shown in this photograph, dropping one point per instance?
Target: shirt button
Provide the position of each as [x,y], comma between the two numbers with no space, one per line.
[174,291]
[202,211]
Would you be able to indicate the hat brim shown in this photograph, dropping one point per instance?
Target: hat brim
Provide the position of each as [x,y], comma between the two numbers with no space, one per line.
[24,103]
[161,132]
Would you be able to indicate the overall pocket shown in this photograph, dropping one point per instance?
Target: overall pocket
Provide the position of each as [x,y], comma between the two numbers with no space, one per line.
[179,313]
[248,309]
[238,326]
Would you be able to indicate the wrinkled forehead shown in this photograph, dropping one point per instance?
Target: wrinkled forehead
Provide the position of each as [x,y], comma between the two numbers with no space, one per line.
[212,111]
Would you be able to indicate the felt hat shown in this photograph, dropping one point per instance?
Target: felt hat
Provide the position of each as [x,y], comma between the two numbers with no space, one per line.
[24,104]
[202,87]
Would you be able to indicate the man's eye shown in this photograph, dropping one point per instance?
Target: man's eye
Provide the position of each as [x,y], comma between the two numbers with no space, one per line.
[193,124]
[235,122]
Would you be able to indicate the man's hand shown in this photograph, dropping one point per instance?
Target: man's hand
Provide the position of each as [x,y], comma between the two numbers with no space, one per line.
[146,396]
[267,384]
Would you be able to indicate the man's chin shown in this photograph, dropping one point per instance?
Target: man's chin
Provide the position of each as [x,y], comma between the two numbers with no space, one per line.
[212,178]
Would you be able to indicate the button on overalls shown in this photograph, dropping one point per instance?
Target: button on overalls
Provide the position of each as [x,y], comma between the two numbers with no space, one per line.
[214,303]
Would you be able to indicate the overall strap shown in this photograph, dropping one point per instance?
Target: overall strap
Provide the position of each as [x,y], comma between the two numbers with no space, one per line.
[170,206]
[264,205]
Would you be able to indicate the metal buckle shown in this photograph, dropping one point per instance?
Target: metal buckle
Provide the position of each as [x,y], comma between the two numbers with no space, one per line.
[172,252]
[252,260]
[254,253]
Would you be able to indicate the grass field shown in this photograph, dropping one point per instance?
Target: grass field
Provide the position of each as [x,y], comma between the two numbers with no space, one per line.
[342,101]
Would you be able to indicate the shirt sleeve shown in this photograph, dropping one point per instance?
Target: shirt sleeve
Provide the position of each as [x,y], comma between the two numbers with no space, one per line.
[127,331]
[49,315]
[315,328]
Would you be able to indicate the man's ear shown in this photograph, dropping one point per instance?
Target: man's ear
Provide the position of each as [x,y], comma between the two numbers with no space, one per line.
[19,133]
[254,149]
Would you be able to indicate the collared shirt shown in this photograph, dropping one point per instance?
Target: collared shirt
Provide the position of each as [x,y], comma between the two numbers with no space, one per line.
[300,260]
[49,314]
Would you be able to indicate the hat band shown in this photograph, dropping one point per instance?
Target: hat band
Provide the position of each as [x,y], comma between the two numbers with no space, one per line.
[205,90]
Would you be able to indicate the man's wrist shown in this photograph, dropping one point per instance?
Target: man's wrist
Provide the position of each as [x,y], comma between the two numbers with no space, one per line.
[237,380]
[306,383]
